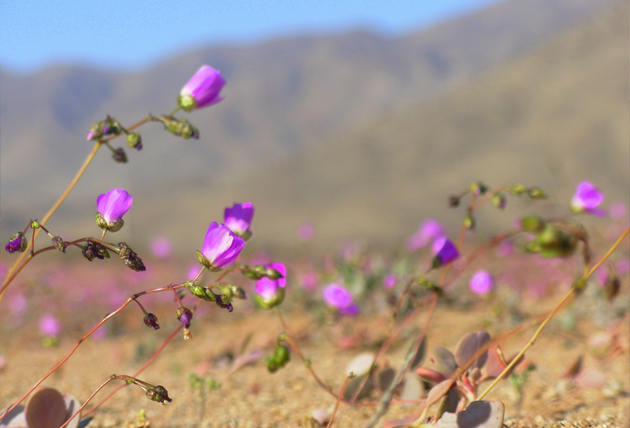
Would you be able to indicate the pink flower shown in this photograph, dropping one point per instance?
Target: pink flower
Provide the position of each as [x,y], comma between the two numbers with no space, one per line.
[587,198]
[111,207]
[220,247]
[389,281]
[306,231]
[270,292]
[447,254]
[202,90]
[481,282]
[337,296]
[161,247]
[239,219]
[49,326]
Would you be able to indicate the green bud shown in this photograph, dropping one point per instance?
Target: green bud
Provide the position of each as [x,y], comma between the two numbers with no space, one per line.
[34,225]
[124,251]
[469,221]
[532,224]
[478,188]
[273,274]
[134,140]
[203,260]
[272,366]
[187,102]
[59,244]
[202,292]
[517,189]
[119,155]
[281,355]
[238,292]
[536,193]
[274,301]
[498,200]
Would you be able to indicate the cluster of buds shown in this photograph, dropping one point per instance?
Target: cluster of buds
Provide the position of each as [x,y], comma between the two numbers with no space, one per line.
[178,127]
[520,189]
[94,250]
[57,241]
[104,128]
[223,300]
[279,358]
[551,240]
[130,258]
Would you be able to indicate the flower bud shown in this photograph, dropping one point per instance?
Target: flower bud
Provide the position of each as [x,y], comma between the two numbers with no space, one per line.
[478,188]
[224,302]
[453,201]
[536,193]
[202,292]
[59,243]
[119,155]
[532,224]
[611,288]
[151,321]
[180,128]
[469,221]
[498,200]
[134,140]
[16,242]
[131,259]
[202,90]
[447,254]
[158,394]
[517,189]
[184,315]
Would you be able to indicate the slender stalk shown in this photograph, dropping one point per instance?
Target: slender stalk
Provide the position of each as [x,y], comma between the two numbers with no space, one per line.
[343,388]
[111,378]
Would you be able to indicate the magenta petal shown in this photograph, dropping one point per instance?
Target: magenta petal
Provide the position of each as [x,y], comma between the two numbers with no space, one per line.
[481,282]
[447,253]
[114,204]
[267,287]
[205,86]
[587,196]
[239,217]
[221,246]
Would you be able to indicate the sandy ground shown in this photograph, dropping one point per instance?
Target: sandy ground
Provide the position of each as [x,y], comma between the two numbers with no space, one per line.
[252,397]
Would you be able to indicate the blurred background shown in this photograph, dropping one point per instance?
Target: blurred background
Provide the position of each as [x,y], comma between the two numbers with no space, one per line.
[358,120]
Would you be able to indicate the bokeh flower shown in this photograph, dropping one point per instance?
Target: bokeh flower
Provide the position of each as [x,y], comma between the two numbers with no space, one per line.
[270,292]
[239,219]
[306,231]
[202,90]
[587,198]
[220,247]
[111,207]
[481,282]
[49,326]
[618,210]
[161,247]
[389,281]
[429,231]
[337,296]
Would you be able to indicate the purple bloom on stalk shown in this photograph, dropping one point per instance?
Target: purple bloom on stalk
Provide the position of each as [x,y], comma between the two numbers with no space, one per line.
[17,242]
[49,326]
[337,296]
[447,254]
[220,247]
[271,291]
[111,207]
[481,282]
[587,198]
[202,90]
[239,219]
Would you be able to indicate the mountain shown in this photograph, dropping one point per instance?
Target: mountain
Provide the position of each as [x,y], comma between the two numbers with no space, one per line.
[284,136]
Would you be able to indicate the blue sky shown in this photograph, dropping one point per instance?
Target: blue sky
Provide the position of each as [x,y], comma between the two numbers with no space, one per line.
[129,35]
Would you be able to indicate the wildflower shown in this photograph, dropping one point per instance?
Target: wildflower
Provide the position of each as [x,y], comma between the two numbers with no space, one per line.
[389,281]
[17,242]
[112,206]
[481,282]
[587,198]
[270,292]
[151,321]
[220,247]
[184,315]
[429,231]
[161,247]
[337,296]
[239,219]
[202,90]
[446,254]
[49,326]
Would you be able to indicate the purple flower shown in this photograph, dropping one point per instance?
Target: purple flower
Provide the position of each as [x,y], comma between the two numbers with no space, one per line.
[618,210]
[306,231]
[481,282]
[112,206]
[184,315]
[220,247]
[17,242]
[447,254]
[389,281]
[271,291]
[161,247]
[587,198]
[337,296]
[429,231]
[49,326]
[202,90]
[239,219]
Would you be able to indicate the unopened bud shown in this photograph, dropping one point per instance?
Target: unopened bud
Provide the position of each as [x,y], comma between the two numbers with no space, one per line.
[469,222]
[134,140]
[119,155]
[532,224]
[59,244]
[498,200]
[158,394]
[536,193]
[184,315]
[273,274]
[151,321]
[17,242]
[453,201]
[517,189]
[478,188]
[611,288]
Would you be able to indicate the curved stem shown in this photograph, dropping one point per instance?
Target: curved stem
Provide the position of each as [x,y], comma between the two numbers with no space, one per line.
[111,378]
